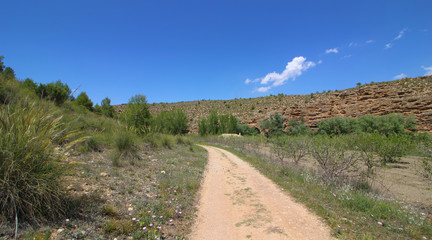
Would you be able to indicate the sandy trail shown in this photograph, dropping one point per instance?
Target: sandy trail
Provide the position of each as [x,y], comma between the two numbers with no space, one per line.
[237,202]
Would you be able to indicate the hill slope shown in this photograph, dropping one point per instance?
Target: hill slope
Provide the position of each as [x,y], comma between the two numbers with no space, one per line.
[409,96]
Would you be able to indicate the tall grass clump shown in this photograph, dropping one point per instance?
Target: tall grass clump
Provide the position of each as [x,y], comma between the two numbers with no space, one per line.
[124,147]
[31,163]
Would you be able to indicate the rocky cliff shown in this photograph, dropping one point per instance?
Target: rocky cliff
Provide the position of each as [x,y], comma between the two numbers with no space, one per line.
[409,96]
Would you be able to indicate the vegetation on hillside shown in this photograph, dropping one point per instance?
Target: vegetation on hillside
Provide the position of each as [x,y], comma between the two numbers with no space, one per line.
[50,142]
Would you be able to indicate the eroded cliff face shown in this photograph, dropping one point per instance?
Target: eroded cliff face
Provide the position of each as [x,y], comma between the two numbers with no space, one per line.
[409,96]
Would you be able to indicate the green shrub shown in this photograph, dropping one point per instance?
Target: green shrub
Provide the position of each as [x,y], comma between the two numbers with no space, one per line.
[167,141]
[202,127]
[31,162]
[244,129]
[333,155]
[106,108]
[337,125]
[84,101]
[386,125]
[390,149]
[213,123]
[30,84]
[297,127]
[137,114]
[274,126]
[125,147]
[426,150]
[172,122]
[57,92]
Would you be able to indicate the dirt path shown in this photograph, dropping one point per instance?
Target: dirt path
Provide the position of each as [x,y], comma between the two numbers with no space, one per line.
[237,202]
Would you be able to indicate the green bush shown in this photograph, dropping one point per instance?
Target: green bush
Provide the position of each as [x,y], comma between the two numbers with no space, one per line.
[333,155]
[106,108]
[426,150]
[31,162]
[202,127]
[338,125]
[274,126]
[386,125]
[84,101]
[125,147]
[57,92]
[218,124]
[137,114]
[297,127]
[390,149]
[172,122]
[213,123]
[244,129]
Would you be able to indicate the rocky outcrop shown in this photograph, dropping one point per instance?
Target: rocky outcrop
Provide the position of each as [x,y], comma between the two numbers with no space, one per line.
[409,96]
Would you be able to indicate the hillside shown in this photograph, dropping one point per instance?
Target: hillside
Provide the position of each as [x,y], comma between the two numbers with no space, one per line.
[409,96]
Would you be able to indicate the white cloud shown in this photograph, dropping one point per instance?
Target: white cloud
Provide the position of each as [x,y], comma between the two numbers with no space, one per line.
[370,41]
[247,81]
[292,70]
[400,35]
[263,89]
[320,61]
[428,70]
[400,76]
[352,44]
[347,56]
[388,45]
[332,50]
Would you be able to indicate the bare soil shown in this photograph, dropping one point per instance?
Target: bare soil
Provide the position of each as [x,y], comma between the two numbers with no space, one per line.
[237,202]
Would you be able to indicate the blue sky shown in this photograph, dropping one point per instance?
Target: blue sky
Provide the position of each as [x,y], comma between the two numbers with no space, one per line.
[171,50]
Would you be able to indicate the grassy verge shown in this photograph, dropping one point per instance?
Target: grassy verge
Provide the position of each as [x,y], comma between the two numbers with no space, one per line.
[151,196]
[352,214]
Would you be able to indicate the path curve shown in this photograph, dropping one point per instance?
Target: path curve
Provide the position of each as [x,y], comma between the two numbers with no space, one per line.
[237,202]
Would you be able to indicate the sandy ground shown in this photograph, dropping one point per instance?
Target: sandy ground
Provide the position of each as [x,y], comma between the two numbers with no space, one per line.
[237,202]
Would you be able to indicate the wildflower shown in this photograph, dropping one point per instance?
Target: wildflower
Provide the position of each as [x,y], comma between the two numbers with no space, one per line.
[159,227]
[161,217]
[170,220]
[428,217]
[153,216]
[180,212]
[144,228]
[133,219]
[67,219]
[151,225]
[149,212]
[130,214]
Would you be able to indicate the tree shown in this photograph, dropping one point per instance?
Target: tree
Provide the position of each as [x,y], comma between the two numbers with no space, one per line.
[232,124]
[172,122]
[137,113]
[58,92]
[29,84]
[106,108]
[202,127]
[84,100]
[2,66]
[213,122]
[274,126]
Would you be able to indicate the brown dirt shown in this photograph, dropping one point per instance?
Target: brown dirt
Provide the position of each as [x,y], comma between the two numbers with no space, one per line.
[237,202]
